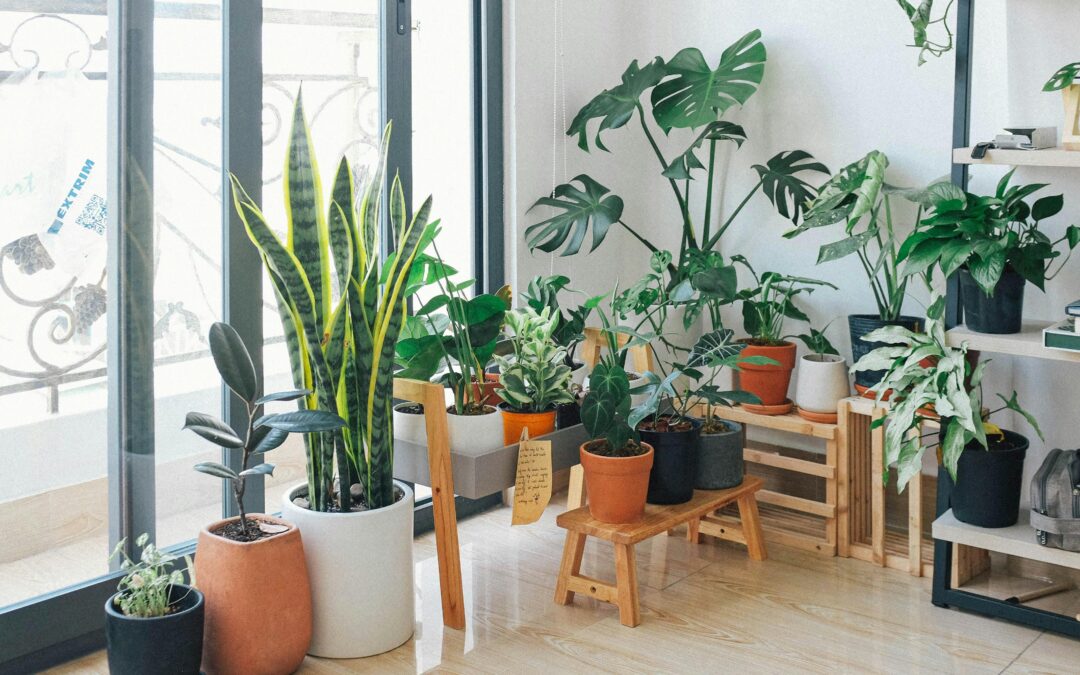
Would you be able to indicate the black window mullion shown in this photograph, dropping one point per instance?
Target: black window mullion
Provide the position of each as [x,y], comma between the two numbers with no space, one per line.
[395,87]
[488,244]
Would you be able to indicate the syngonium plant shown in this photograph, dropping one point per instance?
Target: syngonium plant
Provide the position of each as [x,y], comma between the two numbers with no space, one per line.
[342,306]
[684,92]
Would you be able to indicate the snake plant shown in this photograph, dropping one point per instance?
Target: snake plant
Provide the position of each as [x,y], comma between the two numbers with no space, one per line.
[342,306]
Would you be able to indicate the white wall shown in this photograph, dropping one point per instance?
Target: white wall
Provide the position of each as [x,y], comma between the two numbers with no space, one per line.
[839,82]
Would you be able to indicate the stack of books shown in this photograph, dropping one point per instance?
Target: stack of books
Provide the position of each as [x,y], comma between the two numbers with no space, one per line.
[1065,335]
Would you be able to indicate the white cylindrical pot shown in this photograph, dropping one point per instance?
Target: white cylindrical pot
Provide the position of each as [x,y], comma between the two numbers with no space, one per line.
[361,569]
[822,382]
[578,373]
[410,427]
[474,434]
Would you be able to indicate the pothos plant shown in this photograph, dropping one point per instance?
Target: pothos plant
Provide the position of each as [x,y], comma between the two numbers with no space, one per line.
[535,378]
[926,379]
[684,93]
[922,21]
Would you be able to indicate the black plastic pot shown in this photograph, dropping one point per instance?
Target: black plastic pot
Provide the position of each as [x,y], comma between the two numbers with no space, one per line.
[675,460]
[720,459]
[167,644]
[861,324]
[567,415]
[987,488]
[1001,312]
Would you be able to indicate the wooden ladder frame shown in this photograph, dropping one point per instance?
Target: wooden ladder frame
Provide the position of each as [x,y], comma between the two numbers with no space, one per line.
[432,396]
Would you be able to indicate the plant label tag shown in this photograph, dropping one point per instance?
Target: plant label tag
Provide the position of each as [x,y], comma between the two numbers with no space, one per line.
[532,487]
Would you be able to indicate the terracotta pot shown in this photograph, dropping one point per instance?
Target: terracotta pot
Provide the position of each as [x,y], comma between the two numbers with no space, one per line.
[770,383]
[491,383]
[261,584]
[513,422]
[616,485]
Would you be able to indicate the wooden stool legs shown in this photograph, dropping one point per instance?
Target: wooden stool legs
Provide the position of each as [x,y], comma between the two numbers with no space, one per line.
[624,594]
[751,528]
[570,566]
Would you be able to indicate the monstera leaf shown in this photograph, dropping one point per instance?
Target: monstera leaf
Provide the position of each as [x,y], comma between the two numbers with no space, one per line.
[615,106]
[1065,76]
[720,130]
[782,185]
[580,208]
[699,94]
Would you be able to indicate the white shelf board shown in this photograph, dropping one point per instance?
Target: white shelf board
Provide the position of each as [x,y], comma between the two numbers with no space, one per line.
[1028,342]
[1017,540]
[1049,157]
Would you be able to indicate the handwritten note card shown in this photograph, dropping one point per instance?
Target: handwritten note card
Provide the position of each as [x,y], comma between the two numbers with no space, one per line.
[532,488]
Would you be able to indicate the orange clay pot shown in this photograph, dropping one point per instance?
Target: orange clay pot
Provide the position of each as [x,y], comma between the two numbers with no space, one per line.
[617,485]
[770,383]
[258,601]
[513,422]
[488,395]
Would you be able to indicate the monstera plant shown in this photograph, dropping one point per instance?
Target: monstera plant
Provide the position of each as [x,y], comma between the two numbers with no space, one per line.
[689,96]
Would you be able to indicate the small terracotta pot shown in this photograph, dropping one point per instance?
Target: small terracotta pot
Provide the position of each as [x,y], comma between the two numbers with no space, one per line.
[770,383]
[258,600]
[488,393]
[513,422]
[617,485]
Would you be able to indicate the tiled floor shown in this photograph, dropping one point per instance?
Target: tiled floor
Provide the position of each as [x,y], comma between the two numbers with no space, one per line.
[704,609]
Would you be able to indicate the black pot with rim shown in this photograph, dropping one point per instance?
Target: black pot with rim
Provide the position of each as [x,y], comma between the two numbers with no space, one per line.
[159,645]
[1001,312]
[988,482]
[862,324]
[675,460]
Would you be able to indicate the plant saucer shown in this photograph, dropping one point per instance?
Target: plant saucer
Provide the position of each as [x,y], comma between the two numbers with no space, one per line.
[777,409]
[821,418]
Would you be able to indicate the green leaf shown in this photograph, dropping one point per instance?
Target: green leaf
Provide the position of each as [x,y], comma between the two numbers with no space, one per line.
[580,209]
[1072,235]
[597,413]
[1047,207]
[283,396]
[233,361]
[615,106]
[216,469]
[212,429]
[782,185]
[712,346]
[697,94]
[844,247]
[1064,77]
[682,166]
[720,283]
[303,421]
[263,469]
[1012,404]
[609,382]
[271,440]
[987,271]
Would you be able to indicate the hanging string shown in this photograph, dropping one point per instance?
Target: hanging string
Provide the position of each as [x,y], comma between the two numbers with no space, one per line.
[554,115]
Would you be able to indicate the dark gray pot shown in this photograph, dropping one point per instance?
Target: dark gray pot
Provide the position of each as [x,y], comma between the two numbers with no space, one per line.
[720,459]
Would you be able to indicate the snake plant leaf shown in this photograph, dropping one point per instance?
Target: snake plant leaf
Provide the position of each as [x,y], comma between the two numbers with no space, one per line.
[217,469]
[233,361]
[290,395]
[341,222]
[269,440]
[263,469]
[290,323]
[302,421]
[614,107]
[579,209]
[308,236]
[781,183]
[1064,77]
[682,167]
[212,429]
[698,94]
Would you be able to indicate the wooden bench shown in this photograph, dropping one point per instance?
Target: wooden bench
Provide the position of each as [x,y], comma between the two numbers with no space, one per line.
[658,519]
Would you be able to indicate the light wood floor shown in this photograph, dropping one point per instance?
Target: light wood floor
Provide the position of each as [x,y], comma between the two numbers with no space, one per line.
[704,609]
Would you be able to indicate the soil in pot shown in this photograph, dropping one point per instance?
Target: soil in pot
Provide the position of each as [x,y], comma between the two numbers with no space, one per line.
[1001,312]
[170,644]
[862,324]
[988,481]
[616,479]
[675,448]
[769,382]
[720,455]
[255,582]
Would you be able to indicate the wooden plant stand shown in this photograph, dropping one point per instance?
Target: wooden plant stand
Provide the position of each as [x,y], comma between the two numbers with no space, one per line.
[658,519]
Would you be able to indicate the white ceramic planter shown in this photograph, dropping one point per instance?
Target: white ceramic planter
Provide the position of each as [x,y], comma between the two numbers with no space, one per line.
[474,434]
[410,427]
[361,569]
[823,381]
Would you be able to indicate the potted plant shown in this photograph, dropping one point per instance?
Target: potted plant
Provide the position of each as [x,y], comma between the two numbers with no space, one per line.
[995,246]
[858,197]
[765,307]
[154,621]
[452,338]
[252,566]
[823,379]
[617,464]
[1064,80]
[356,520]
[930,380]
[535,378]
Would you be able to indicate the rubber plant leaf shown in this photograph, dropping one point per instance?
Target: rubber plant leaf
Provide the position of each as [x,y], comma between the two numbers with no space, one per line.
[303,421]
[233,361]
[579,209]
[212,429]
[614,107]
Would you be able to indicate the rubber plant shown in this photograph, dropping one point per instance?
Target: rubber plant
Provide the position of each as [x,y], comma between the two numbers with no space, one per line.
[685,93]
[342,306]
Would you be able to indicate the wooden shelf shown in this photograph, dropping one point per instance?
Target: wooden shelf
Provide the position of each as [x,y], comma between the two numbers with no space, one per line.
[1049,157]
[1017,540]
[791,422]
[1028,342]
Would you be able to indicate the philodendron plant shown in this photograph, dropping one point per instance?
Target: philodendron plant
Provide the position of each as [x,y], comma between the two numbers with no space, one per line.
[341,336]
[771,301]
[605,411]
[535,378]
[685,92]
[263,433]
[928,380]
